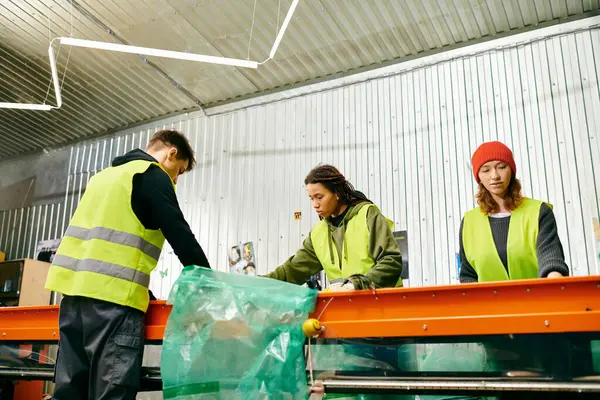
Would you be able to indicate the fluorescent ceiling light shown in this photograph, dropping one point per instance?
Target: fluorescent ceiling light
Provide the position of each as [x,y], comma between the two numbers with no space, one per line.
[27,106]
[145,51]
[41,107]
[55,75]
[157,52]
[284,26]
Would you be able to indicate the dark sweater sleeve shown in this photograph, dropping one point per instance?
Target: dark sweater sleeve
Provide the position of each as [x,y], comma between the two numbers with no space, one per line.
[551,257]
[384,250]
[157,207]
[467,272]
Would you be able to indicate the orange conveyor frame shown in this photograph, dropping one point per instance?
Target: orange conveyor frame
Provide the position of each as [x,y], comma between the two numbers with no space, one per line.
[513,307]
[565,305]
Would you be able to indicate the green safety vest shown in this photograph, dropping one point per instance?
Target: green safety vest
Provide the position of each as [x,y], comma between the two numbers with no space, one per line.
[356,259]
[521,245]
[106,253]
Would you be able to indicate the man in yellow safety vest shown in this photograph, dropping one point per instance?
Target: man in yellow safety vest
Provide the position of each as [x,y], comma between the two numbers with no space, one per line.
[102,267]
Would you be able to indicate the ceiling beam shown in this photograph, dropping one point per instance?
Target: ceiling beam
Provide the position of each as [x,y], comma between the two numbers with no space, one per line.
[83,11]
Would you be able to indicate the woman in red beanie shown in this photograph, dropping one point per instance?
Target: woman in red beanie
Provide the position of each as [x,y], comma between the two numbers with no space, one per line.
[508,236]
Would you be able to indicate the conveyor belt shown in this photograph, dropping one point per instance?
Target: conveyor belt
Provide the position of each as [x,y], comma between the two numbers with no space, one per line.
[557,307]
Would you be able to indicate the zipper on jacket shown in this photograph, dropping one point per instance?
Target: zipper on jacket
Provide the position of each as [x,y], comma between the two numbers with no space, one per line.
[330,240]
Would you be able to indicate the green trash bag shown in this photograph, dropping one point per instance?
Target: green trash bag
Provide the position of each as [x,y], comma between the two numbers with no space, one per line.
[458,357]
[596,355]
[348,356]
[232,336]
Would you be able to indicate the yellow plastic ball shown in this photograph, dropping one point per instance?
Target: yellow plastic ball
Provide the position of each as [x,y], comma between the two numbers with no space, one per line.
[311,327]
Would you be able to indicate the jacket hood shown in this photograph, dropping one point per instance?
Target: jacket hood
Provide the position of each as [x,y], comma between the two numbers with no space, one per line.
[133,155]
[352,212]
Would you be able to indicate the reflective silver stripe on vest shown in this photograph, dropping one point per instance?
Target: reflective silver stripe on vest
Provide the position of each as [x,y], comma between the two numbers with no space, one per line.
[114,236]
[102,267]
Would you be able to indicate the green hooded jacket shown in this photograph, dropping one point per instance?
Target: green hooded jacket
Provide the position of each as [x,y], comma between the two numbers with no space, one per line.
[382,249]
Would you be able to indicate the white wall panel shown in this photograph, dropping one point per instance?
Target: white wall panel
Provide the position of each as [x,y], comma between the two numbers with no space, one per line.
[405,140]
[22,229]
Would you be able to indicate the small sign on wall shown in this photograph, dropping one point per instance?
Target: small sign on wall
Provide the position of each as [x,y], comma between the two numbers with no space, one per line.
[298,215]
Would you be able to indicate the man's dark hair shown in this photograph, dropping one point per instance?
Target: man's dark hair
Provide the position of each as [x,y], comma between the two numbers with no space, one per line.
[167,137]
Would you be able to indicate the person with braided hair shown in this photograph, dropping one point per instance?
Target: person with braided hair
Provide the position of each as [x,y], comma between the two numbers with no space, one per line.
[352,242]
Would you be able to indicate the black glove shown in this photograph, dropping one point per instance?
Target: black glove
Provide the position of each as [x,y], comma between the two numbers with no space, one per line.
[360,282]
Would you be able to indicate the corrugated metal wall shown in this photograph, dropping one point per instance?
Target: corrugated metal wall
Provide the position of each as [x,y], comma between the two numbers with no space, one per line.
[22,229]
[405,141]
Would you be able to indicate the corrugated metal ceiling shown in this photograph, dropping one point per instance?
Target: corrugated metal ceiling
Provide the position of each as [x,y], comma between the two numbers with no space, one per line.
[104,91]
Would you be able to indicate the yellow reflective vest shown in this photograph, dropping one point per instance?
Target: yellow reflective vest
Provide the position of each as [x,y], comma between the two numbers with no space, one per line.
[521,247]
[106,253]
[356,259]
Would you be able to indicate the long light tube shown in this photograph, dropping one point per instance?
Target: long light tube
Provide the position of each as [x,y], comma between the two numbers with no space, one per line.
[145,51]
[157,52]
[27,106]
[41,107]
[55,75]
[284,26]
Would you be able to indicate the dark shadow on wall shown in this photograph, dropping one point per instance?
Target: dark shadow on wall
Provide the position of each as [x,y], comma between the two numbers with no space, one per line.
[302,150]
[17,195]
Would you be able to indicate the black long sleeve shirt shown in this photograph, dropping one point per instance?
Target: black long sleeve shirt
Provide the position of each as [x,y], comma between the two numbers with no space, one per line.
[154,202]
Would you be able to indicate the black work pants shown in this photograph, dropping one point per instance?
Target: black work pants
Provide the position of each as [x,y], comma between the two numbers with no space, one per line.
[100,350]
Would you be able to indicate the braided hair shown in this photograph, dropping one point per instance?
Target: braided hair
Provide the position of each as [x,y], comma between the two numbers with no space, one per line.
[332,179]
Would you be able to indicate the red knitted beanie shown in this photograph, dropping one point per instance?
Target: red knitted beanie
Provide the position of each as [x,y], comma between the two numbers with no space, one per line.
[492,151]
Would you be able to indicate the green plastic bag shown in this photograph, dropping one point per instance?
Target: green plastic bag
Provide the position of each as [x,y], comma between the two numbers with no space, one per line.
[232,336]
[596,355]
